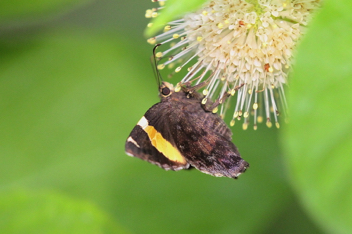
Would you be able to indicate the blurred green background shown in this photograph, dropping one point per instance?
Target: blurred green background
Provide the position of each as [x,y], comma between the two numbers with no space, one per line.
[75,78]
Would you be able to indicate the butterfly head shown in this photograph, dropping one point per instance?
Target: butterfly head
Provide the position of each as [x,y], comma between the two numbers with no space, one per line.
[166,89]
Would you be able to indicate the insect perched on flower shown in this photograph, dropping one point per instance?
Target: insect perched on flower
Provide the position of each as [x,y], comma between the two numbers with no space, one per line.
[238,42]
[182,132]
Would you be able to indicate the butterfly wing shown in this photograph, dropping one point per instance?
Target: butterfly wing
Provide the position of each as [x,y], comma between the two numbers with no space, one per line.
[178,133]
[151,141]
[205,141]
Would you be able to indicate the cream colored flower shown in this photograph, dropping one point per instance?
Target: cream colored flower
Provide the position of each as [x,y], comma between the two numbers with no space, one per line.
[234,42]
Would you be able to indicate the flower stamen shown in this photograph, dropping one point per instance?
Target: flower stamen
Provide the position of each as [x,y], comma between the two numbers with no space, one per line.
[248,42]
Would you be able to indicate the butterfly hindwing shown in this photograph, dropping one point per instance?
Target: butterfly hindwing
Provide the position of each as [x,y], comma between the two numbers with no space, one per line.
[205,141]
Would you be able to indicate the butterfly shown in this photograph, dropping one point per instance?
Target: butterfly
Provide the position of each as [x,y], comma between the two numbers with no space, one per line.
[180,132]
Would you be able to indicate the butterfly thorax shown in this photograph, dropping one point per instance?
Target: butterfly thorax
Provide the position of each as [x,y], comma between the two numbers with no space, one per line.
[185,95]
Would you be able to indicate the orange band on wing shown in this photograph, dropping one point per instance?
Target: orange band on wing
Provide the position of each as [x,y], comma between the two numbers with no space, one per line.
[163,146]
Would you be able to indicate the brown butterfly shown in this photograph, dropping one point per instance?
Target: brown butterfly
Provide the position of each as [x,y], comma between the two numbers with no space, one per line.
[180,132]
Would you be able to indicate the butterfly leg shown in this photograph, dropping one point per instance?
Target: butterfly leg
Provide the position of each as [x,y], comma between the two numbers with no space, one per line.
[221,100]
[190,89]
[218,101]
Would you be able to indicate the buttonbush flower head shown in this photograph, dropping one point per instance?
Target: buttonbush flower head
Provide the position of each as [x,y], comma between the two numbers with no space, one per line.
[238,42]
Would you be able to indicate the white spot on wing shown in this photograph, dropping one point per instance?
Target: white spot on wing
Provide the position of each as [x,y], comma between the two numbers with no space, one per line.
[143,122]
[130,139]
[129,154]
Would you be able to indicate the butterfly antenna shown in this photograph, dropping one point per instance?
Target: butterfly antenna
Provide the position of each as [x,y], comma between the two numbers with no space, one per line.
[154,61]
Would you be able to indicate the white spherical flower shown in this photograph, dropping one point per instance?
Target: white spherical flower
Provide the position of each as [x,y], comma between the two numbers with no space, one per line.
[236,42]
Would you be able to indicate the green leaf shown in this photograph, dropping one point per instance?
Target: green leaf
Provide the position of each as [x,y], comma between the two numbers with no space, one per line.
[33,9]
[172,10]
[318,138]
[50,212]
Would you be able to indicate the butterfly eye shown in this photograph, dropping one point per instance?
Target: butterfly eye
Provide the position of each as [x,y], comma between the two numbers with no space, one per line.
[165,91]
